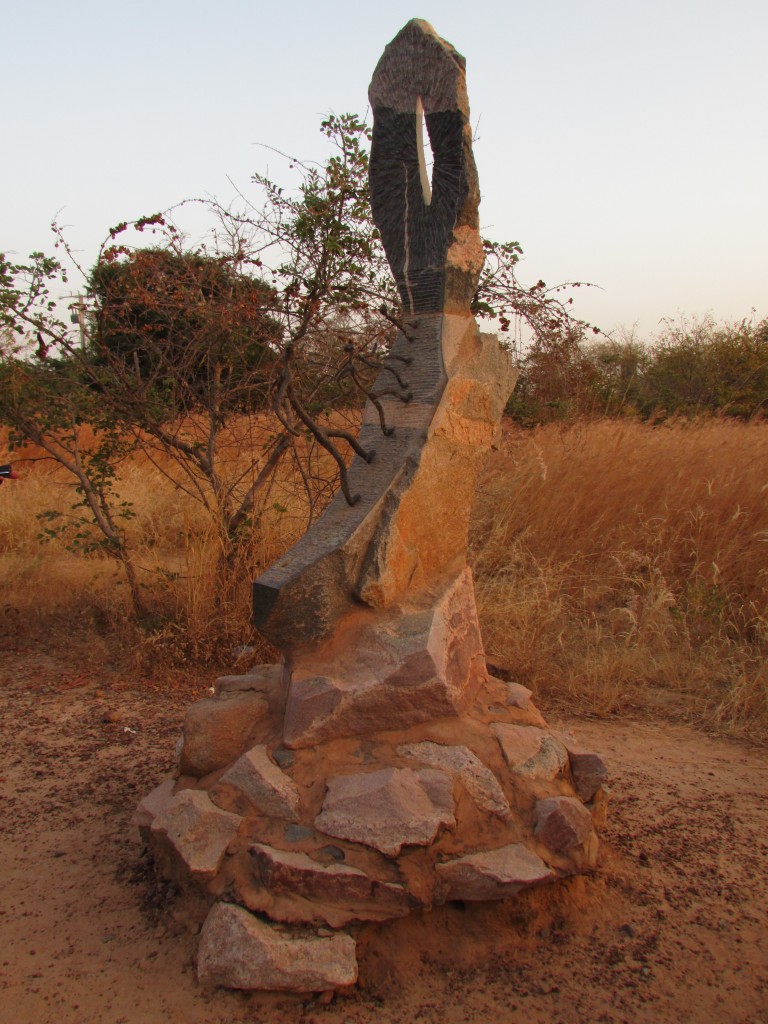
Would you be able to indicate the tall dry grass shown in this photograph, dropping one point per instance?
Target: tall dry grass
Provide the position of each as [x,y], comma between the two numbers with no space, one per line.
[614,560]
[616,563]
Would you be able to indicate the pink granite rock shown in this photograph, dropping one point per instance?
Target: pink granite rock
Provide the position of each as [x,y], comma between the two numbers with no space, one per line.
[267,789]
[530,751]
[389,670]
[198,831]
[562,822]
[237,950]
[478,780]
[218,729]
[589,770]
[389,808]
[153,804]
[291,874]
[492,874]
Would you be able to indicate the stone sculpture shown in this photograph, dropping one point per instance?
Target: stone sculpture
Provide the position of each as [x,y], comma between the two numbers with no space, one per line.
[381,769]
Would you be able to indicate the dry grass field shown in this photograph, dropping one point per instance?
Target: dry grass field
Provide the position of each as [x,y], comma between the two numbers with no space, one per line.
[617,564]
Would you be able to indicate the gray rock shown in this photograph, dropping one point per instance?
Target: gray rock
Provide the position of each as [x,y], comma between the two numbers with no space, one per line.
[297,833]
[266,788]
[237,950]
[562,822]
[388,809]
[478,780]
[261,679]
[198,831]
[530,751]
[492,874]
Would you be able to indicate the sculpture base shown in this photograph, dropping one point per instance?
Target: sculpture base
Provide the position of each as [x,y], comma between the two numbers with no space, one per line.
[294,848]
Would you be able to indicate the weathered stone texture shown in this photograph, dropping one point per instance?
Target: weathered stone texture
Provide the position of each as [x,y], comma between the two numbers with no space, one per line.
[389,672]
[218,729]
[388,809]
[492,874]
[197,830]
[267,789]
[288,874]
[153,804]
[531,752]
[589,770]
[237,950]
[562,822]
[478,780]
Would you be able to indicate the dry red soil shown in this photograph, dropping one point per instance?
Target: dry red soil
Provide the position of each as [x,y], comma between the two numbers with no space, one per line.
[673,926]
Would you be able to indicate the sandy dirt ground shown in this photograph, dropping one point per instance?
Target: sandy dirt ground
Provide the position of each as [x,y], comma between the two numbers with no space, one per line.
[673,927]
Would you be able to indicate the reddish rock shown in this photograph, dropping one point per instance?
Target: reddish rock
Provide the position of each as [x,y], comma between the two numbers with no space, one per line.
[492,874]
[237,950]
[389,671]
[388,809]
[478,780]
[589,771]
[198,831]
[562,822]
[267,789]
[218,729]
[530,751]
[153,804]
[291,874]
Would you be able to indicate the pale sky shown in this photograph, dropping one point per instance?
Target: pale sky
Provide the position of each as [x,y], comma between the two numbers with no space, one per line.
[621,143]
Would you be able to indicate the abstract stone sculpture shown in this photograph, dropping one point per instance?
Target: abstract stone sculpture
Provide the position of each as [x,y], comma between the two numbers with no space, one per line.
[381,769]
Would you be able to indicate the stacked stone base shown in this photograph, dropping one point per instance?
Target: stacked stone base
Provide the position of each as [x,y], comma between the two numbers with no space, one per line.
[294,847]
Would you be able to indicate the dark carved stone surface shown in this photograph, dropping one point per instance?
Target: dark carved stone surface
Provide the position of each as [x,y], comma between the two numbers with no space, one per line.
[303,594]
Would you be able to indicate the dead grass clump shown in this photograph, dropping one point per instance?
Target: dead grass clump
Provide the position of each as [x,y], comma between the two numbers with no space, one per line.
[614,557]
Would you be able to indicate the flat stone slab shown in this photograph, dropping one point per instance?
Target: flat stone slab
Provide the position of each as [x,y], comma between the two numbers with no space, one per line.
[289,873]
[237,950]
[530,751]
[218,729]
[266,788]
[198,831]
[263,679]
[562,822]
[478,780]
[493,874]
[388,808]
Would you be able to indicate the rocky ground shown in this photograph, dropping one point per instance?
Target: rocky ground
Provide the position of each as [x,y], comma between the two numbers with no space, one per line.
[672,927]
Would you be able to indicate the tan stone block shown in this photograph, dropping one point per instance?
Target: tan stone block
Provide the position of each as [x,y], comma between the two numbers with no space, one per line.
[218,729]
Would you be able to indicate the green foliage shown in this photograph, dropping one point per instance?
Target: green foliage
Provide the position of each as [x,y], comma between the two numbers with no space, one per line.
[180,327]
[692,369]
